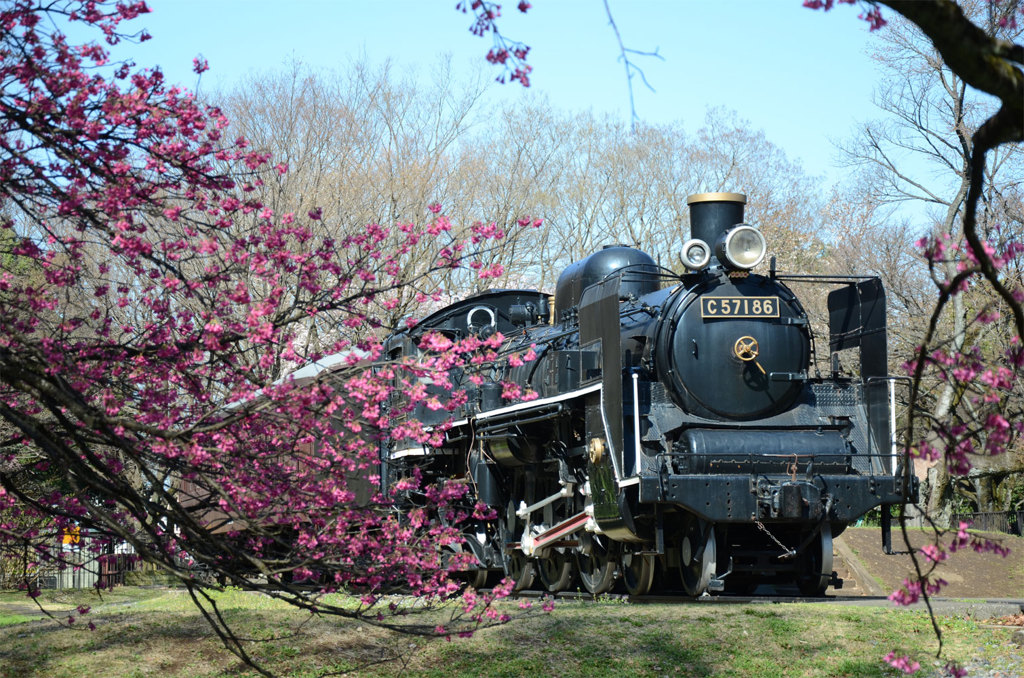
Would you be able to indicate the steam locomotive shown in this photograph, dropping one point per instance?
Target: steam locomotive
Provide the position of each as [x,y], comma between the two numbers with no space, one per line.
[681,435]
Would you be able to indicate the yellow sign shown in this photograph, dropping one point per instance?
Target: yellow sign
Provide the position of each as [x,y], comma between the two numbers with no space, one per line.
[72,535]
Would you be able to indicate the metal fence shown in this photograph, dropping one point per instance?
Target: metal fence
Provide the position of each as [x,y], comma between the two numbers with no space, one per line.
[1009,522]
[73,568]
[78,571]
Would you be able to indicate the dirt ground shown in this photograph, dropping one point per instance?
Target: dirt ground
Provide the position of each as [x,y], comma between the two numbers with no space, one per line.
[970,574]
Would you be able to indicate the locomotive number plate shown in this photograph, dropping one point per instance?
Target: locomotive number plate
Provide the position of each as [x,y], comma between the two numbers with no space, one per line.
[739,307]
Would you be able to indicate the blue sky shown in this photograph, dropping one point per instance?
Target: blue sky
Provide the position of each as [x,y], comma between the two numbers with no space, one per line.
[803,76]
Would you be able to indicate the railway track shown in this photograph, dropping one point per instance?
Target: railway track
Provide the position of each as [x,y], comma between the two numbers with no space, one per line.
[976,608]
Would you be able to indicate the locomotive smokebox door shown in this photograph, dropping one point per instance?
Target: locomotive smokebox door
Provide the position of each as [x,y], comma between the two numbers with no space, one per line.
[735,350]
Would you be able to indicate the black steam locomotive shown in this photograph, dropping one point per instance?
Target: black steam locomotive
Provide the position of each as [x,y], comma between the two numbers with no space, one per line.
[680,429]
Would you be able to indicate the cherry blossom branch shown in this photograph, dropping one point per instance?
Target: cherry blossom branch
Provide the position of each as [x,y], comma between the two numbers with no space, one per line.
[153,301]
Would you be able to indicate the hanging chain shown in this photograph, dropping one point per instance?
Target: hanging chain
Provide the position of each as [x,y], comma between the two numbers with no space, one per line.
[786,551]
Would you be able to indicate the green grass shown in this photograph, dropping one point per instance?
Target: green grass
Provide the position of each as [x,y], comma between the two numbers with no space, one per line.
[144,632]
[8,619]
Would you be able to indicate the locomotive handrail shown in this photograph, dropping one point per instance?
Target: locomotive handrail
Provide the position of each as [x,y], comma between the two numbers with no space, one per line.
[835,279]
[902,457]
[759,463]
[771,455]
[662,271]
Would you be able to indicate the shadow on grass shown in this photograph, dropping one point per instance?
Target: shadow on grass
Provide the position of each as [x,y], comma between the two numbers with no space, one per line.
[158,643]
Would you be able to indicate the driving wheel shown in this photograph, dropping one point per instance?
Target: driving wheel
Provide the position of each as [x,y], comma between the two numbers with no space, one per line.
[697,556]
[597,560]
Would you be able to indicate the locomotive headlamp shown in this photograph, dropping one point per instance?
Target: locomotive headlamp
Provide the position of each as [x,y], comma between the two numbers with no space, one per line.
[741,247]
[696,254]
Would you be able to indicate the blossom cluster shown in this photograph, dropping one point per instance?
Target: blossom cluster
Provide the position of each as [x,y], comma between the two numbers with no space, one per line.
[872,14]
[510,55]
[912,590]
[903,663]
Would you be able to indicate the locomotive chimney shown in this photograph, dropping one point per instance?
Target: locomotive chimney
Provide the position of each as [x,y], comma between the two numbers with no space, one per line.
[712,214]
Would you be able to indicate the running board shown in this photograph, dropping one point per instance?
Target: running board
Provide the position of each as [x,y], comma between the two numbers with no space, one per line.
[531,544]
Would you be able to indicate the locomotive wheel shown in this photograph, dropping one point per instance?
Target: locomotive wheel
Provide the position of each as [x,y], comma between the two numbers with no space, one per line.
[475,579]
[597,564]
[557,572]
[520,569]
[818,564]
[637,573]
[514,561]
[698,557]
[474,576]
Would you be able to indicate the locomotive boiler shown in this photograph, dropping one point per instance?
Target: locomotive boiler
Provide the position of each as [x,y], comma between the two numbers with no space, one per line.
[681,435]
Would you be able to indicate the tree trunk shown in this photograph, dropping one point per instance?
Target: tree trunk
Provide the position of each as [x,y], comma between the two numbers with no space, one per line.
[986,500]
[940,508]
